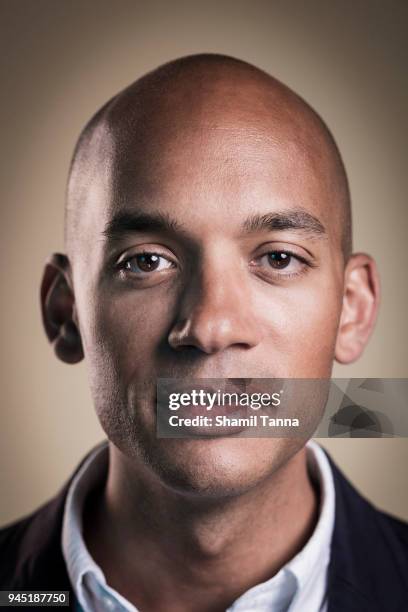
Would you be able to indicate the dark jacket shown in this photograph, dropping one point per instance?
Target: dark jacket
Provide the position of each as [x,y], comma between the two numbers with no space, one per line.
[368,570]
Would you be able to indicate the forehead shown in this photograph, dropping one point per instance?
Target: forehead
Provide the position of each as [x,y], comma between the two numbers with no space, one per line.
[209,172]
[220,171]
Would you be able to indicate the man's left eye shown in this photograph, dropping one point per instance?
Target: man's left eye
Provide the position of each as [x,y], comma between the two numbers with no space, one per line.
[279,259]
[143,263]
[275,261]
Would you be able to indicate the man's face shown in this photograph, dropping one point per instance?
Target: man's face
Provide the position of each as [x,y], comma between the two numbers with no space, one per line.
[212,295]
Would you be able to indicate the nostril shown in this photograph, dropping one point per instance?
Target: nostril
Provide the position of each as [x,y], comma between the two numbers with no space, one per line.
[184,347]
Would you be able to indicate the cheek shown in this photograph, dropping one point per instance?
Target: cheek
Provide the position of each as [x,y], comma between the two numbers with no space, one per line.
[128,328]
[122,335]
[300,323]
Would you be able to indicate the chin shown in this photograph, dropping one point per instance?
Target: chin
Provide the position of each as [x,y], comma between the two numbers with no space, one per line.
[216,468]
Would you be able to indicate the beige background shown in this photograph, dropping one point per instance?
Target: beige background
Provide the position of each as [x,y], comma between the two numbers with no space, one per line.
[60,60]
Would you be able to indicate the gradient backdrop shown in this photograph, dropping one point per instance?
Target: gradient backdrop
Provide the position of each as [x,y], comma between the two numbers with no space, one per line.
[60,60]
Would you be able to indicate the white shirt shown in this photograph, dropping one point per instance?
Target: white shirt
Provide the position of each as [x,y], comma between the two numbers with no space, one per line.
[298,586]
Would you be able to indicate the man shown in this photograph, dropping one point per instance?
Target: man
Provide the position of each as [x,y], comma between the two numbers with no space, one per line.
[208,234]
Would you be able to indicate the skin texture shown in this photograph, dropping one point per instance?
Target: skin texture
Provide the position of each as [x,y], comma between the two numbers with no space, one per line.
[213,147]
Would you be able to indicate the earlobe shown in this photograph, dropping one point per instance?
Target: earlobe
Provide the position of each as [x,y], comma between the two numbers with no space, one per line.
[360,306]
[58,310]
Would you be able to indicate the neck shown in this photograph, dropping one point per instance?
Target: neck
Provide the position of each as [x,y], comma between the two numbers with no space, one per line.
[144,536]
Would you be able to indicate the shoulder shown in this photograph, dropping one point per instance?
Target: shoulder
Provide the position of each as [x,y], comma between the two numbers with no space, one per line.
[361,512]
[398,526]
[30,547]
[356,514]
[35,535]
[369,551]
[395,532]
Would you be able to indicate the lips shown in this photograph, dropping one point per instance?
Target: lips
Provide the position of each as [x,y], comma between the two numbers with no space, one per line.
[208,385]
[197,407]
[204,401]
[201,396]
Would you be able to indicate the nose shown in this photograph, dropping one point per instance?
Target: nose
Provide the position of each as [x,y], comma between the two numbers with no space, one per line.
[215,313]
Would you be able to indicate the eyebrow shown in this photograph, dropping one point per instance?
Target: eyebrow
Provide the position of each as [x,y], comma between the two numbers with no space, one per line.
[128,222]
[296,219]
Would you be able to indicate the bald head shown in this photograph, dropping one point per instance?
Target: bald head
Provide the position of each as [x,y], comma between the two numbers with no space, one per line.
[201,95]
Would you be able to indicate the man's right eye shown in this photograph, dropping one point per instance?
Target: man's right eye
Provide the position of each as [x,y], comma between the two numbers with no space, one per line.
[145,263]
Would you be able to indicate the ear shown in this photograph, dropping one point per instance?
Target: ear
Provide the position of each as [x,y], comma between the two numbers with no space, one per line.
[58,310]
[360,306]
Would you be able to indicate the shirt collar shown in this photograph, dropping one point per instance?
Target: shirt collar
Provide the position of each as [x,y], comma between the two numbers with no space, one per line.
[87,578]
[299,580]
